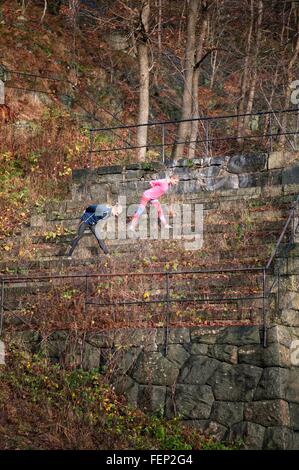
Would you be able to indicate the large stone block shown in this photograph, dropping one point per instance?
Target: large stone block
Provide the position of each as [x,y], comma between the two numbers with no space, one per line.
[90,357]
[290,301]
[294,416]
[27,339]
[154,369]
[224,352]
[179,335]
[198,349]
[292,392]
[235,383]
[147,338]
[279,334]
[295,441]
[274,354]
[290,176]
[190,402]
[209,428]
[282,159]
[80,175]
[273,384]
[101,340]
[222,183]
[125,359]
[247,163]
[197,370]
[208,335]
[109,170]
[227,413]
[177,354]
[290,317]
[268,413]
[239,335]
[277,438]
[126,386]
[151,398]
[251,434]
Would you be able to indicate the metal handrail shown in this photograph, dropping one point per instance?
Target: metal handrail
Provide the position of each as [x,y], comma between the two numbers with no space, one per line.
[253,269]
[133,274]
[206,140]
[203,118]
[290,218]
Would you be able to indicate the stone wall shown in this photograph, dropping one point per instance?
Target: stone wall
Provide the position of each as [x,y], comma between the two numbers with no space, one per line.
[220,380]
[280,169]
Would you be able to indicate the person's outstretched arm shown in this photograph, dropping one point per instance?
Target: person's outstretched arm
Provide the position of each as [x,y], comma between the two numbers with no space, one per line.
[156,183]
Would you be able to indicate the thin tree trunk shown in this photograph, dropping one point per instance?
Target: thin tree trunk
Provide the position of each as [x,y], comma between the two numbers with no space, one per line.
[245,75]
[160,27]
[142,48]
[289,80]
[255,63]
[45,10]
[195,80]
[185,127]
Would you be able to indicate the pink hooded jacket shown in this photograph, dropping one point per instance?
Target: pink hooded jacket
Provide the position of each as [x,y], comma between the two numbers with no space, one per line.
[158,188]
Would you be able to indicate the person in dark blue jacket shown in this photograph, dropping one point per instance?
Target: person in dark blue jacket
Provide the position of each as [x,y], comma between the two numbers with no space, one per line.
[90,220]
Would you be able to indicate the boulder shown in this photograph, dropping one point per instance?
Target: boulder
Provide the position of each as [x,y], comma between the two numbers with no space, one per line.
[274,354]
[239,335]
[197,370]
[251,434]
[224,353]
[247,163]
[235,382]
[177,354]
[273,384]
[90,357]
[152,398]
[190,402]
[268,413]
[277,438]
[227,413]
[155,369]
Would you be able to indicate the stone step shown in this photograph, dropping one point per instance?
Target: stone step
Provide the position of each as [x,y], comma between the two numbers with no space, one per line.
[237,199]
[268,207]
[238,230]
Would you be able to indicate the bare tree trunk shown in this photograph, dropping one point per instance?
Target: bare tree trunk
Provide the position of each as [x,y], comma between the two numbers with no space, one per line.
[195,80]
[142,48]
[255,63]
[185,127]
[45,10]
[245,75]
[291,64]
[159,22]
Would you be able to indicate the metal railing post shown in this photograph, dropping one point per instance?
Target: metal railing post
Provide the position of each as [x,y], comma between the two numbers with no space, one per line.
[2,306]
[264,310]
[278,287]
[85,293]
[90,147]
[270,132]
[167,314]
[163,143]
[207,138]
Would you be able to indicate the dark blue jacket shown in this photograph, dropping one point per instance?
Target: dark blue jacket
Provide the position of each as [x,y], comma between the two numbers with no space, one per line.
[93,214]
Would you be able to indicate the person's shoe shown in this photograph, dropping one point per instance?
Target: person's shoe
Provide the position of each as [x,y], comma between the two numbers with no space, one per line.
[167,226]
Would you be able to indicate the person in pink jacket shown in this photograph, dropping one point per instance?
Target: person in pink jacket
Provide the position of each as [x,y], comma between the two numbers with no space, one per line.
[151,196]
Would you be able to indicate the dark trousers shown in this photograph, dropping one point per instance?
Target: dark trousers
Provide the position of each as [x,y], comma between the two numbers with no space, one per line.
[81,229]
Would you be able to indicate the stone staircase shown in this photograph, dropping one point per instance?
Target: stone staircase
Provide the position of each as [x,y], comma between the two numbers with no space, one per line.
[241,227]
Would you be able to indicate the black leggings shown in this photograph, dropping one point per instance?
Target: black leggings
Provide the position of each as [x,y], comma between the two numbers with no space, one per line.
[81,229]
